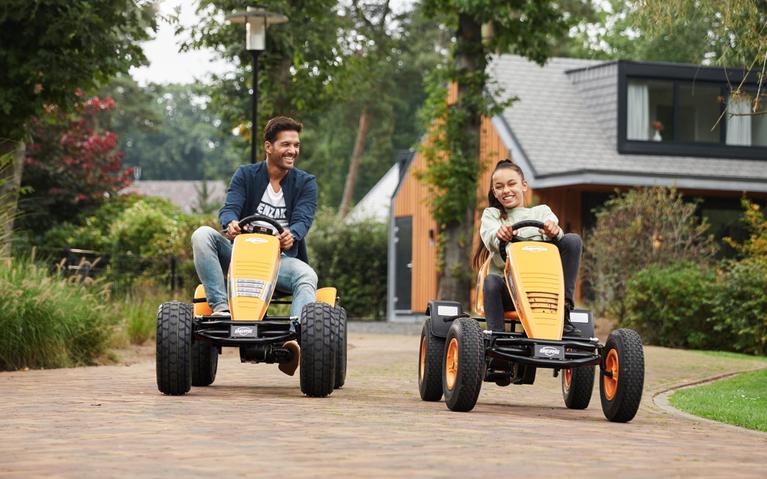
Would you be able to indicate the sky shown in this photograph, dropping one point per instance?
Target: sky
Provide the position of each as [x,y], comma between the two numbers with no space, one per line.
[167,65]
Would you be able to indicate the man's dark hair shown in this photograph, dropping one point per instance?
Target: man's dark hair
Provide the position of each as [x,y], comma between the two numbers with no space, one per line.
[278,124]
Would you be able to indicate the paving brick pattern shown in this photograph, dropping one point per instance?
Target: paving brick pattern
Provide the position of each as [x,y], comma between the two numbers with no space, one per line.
[253,421]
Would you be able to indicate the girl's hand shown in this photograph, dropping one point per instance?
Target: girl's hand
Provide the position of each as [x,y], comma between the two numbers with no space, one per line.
[550,229]
[504,233]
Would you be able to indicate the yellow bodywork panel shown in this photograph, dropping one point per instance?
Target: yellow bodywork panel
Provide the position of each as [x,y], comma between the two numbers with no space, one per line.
[252,275]
[536,285]
[201,309]
[327,295]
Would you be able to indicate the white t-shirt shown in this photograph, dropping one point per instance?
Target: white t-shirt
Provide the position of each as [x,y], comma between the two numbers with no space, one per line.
[272,205]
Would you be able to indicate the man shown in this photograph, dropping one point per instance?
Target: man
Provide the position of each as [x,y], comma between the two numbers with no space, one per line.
[273,188]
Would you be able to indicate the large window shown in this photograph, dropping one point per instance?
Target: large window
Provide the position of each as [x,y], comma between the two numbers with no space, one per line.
[668,111]
[684,110]
[746,127]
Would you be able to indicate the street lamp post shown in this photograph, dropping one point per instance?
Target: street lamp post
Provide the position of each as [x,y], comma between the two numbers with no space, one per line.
[256,21]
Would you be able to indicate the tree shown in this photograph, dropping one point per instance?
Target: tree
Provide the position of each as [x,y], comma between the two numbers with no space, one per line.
[730,33]
[48,48]
[171,133]
[636,229]
[295,70]
[482,27]
[72,163]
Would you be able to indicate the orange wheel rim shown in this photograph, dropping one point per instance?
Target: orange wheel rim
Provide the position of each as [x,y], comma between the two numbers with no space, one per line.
[611,366]
[567,375]
[451,363]
[422,361]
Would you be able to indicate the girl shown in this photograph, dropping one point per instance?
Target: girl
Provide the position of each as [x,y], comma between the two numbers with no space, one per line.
[507,206]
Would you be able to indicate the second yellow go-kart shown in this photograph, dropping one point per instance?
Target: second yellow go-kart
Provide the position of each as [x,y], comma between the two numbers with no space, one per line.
[457,355]
[190,338]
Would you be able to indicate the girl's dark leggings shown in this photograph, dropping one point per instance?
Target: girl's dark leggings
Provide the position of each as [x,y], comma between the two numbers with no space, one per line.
[496,295]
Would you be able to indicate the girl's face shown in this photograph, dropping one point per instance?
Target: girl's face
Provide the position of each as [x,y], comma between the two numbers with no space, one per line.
[509,188]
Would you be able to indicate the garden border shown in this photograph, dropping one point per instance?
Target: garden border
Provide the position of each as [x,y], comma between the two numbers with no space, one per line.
[661,399]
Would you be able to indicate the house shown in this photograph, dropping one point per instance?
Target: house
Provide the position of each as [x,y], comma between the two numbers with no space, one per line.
[581,129]
[188,195]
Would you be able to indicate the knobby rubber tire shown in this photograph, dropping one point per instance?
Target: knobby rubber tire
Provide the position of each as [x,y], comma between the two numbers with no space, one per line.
[174,348]
[341,344]
[204,362]
[578,395]
[430,382]
[625,403]
[471,365]
[318,349]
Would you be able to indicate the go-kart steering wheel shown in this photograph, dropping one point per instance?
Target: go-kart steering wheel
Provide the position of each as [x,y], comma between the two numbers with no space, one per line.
[516,227]
[248,224]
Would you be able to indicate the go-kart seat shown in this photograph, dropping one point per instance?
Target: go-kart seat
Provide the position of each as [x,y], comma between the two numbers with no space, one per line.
[479,307]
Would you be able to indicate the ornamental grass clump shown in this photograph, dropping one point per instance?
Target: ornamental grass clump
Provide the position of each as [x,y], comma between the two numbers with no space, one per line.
[49,321]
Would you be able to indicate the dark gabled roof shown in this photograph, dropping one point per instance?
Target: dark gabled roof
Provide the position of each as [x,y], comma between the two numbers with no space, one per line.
[563,130]
[183,193]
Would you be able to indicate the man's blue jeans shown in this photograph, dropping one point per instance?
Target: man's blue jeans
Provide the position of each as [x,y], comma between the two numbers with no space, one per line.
[212,255]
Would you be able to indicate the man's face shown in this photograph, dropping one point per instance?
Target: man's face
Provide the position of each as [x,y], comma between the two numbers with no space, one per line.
[283,152]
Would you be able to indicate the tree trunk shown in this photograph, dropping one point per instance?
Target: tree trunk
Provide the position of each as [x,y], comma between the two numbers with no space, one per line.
[354,164]
[456,277]
[11,163]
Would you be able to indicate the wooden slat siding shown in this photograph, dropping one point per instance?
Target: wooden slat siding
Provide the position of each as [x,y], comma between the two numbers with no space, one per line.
[413,200]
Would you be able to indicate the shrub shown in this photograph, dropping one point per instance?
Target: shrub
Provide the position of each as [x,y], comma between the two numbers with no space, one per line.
[740,310]
[352,258]
[138,236]
[48,321]
[755,246]
[672,305]
[636,229]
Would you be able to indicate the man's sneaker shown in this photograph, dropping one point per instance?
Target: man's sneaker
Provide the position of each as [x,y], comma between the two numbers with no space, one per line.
[569,329]
[221,314]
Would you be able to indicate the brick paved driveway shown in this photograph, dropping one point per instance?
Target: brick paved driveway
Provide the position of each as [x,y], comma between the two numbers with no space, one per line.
[112,422]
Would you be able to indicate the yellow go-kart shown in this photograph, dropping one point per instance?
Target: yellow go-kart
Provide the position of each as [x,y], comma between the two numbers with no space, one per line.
[457,355]
[190,338]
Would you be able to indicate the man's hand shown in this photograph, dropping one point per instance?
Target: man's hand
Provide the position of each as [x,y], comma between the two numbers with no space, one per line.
[504,233]
[286,240]
[550,229]
[233,229]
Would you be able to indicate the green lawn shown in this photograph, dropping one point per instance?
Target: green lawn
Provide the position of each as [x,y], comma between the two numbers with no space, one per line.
[740,400]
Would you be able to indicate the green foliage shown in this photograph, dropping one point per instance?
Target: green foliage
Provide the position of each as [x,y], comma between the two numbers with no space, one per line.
[636,229]
[671,305]
[48,49]
[755,246]
[374,82]
[729,32]
[353,259]
[741,400]
[72,164]
[49,321]
[139,236]
[740,310]
[138,314]
[171,133]
[686,305]
[297,68]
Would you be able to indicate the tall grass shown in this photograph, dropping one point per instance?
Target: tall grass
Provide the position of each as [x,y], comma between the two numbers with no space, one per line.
[48,321]
[138,314]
